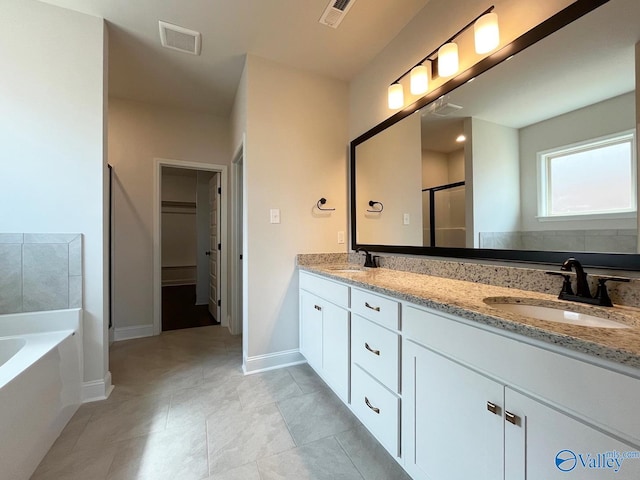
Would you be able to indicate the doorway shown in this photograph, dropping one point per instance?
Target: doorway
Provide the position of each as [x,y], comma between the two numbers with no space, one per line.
[237,259]
[190,260]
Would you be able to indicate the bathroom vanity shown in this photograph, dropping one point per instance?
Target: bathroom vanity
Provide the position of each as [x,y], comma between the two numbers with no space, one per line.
[454,387]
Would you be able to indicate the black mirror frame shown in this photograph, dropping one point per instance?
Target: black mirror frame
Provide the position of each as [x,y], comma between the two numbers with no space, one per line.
[618,261]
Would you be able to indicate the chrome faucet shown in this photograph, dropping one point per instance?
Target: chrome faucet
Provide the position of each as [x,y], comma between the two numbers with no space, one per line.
[369,260]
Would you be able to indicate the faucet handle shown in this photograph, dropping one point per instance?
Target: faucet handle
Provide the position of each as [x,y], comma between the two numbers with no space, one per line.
[566,284]
[602,294]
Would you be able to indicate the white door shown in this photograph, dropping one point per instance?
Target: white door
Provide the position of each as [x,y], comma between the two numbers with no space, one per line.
[311,329]
[451,427]
[548,444]
[215,251]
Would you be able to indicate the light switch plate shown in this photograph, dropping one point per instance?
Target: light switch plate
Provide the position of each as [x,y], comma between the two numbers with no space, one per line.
[274,215]
[406,219]
[341,237]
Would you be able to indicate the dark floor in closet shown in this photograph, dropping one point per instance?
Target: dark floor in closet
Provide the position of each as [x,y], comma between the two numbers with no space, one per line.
[179,309]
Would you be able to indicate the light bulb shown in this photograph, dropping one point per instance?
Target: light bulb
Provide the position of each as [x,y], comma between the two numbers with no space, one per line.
[419,80]
[448,60]
[487,33]
[395,96]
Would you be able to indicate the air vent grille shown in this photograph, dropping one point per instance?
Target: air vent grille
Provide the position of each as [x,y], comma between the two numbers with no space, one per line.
[335,12]
[341,4]
[179,38]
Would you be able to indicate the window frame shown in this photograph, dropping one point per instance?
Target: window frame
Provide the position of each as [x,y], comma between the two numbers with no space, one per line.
[545,157]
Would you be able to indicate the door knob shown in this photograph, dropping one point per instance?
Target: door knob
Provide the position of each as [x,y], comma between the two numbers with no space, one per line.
[208,252]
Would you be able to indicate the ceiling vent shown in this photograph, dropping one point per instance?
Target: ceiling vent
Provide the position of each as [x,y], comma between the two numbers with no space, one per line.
[179,38]
[442,108]
[335,12]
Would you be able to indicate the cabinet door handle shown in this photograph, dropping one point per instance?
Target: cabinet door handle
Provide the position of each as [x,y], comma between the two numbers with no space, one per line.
[375,409]
[493,408]
[375,352]
[318,307]
[511,417]
[375,309]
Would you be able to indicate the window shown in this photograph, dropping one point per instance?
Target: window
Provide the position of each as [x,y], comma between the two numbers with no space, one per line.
[597,177]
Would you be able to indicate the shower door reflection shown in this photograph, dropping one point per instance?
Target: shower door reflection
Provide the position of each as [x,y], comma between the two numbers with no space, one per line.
[443,215]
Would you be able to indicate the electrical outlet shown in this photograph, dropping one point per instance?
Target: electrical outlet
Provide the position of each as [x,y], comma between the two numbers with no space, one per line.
[275,215]
[406,219]
[341,237]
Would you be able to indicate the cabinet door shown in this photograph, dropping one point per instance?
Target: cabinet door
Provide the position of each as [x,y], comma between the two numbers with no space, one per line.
[311,329]
[335,349]
[448,430]
[549,444]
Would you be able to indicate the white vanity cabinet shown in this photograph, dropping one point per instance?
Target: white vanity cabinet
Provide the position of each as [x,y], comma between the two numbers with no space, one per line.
[375,366]
[324,330]
[479,405]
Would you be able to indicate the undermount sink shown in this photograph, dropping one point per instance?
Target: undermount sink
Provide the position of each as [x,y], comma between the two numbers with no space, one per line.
[556,314]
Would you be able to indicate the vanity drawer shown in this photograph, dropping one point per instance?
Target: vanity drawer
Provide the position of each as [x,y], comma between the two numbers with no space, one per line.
[377,408]
[376,308]
[336,293]
[376,350]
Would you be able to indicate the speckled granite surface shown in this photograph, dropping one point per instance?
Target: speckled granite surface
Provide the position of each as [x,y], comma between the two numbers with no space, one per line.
[520,277]
[466,299]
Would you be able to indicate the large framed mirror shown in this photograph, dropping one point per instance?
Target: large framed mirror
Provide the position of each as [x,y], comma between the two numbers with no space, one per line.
[528,156]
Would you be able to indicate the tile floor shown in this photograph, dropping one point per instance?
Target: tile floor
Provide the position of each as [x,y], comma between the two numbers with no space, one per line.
[183,410]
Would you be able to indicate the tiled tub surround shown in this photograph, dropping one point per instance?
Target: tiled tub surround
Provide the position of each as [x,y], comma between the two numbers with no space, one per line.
[40,271]
[615,241]
[465,299]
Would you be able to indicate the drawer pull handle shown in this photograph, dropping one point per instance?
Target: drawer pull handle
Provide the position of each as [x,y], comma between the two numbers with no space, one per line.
[317,307]
[375,352]
[511,418]
[375,409]
[492,407]
[375,309]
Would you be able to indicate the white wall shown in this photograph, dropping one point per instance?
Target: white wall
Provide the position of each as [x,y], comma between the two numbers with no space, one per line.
[138,133]
[390,171]
[494,178]
[429,28]
[604,118]
[296,153]
[52,168]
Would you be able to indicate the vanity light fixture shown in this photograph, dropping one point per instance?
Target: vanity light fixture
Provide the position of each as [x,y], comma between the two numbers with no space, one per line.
[446,57]
[460,138]
[486,33]
[419,79]
[395,96]
[448,61]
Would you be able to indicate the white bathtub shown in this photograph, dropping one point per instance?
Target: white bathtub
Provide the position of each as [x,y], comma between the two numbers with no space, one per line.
[40,385]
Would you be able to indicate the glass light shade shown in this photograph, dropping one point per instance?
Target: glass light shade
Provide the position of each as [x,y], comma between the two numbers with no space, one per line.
[448,60]
[419,80]
[487,33]
[395,96]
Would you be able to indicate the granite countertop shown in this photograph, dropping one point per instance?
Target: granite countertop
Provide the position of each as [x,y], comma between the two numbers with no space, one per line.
[466,300]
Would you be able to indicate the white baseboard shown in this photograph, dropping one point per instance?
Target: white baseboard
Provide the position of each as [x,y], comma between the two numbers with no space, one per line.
[137,331]
[96,390]
[272,361]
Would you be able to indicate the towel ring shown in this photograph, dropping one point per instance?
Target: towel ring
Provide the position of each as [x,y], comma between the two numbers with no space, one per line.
[322,201]
[372,203]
